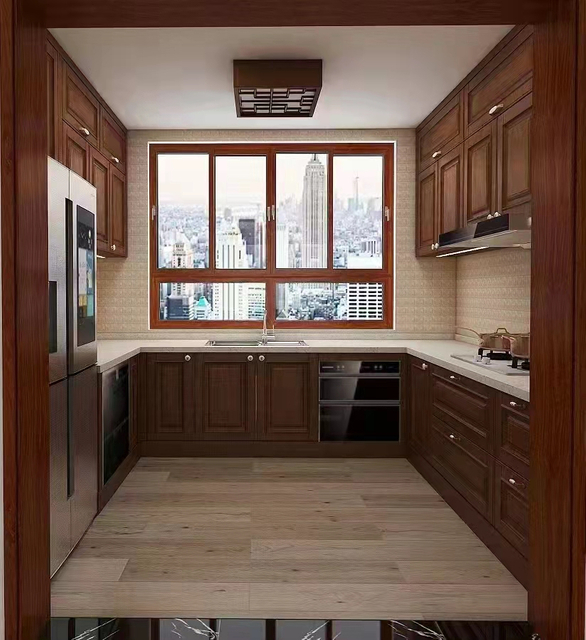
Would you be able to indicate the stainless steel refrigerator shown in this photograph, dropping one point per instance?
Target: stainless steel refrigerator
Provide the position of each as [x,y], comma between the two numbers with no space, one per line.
[73,373]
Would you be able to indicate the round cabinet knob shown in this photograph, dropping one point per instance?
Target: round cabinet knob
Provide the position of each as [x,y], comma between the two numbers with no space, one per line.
[512,481]
[250,358]
[453,377]
[424,366]
[454,438]
[115,160]
[437,245]
[85,131]
[113,247]
[261,358]
[187,358]
[432,247]
[513,404]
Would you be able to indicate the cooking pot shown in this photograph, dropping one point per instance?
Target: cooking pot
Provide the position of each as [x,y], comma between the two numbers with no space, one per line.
[498,340]
[520,346]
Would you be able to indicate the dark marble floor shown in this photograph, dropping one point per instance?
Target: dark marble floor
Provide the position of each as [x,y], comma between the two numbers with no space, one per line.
[245,629]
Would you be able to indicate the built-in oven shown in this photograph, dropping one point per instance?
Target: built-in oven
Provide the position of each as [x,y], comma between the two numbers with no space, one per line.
[360,400]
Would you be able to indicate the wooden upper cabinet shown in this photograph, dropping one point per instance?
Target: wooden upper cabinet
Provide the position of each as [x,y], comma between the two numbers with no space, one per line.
[442,133]
[287,398]
[76,152]
[500,83]
[118,219]
[113,141]
[450,201]
[100,177]
[480,173]
[54,71]
[514,157]
[171,396]
[227,385]
[426,211]
[81,108]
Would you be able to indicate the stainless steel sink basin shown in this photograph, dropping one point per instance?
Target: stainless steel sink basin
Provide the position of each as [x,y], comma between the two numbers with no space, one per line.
[255,343]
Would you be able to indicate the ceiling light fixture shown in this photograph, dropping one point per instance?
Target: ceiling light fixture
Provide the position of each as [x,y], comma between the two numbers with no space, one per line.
[277,88]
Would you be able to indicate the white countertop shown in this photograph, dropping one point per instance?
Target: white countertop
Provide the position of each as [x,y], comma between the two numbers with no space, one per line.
[439,352]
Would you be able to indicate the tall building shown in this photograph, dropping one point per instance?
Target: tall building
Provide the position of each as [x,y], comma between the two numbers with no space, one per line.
[356,194]
[231,250]
[180,303]
[314,213]
[365,301]
[230,299]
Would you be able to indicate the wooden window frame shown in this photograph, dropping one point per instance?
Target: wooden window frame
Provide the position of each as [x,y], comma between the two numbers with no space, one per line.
[271,275]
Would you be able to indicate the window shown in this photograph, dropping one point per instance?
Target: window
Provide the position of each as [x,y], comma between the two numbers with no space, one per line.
[303,232]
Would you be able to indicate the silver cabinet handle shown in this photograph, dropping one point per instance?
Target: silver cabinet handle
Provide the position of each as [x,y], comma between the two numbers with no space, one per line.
[113,247]
[513,404]
[424,366]
[433,246]
[436,154]
[268,217]
[387,214]
[250,358]
[437,245]
[187,358]
[514,483]
[517,405]
[261,358]
[454,438]
[274,212]
[493,110]
[84,130]
[115,160]
[453,377]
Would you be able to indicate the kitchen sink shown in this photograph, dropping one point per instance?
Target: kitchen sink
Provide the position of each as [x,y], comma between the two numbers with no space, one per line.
[255,343]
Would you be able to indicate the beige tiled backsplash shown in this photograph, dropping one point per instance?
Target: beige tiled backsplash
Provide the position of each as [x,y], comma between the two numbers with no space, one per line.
[426,289]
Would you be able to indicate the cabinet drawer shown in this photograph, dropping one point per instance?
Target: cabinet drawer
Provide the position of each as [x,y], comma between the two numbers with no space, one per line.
[442,134]
[512,436]
[467,467]
[511,507]
[81,108]
[506,79]
[113,142]
[465,405]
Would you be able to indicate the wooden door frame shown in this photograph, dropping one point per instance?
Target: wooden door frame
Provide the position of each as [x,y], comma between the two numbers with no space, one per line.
[558,280]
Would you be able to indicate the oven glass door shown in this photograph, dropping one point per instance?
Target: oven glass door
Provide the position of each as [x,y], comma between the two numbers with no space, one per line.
[356,422]
[353,388]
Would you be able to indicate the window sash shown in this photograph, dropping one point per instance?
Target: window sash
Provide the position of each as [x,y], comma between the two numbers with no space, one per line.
[272,275]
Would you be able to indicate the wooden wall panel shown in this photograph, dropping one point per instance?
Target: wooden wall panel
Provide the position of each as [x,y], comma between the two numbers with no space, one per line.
[552,322]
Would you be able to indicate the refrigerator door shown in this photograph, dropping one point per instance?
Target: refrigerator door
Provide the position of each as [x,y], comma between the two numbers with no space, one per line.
[60,505]
[81,275]
[83,425]
[58,187]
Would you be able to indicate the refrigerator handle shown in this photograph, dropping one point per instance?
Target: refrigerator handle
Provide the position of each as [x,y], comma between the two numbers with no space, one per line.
[70,451]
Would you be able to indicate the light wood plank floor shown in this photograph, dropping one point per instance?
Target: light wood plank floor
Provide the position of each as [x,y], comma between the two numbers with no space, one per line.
[346,539]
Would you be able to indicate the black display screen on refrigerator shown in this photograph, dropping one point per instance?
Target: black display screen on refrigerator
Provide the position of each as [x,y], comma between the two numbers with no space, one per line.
[86,278]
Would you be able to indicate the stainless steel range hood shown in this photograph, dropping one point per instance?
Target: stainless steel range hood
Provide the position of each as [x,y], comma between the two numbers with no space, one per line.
[496,231]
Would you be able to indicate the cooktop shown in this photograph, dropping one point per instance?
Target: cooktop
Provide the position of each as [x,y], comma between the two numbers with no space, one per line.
[282,629]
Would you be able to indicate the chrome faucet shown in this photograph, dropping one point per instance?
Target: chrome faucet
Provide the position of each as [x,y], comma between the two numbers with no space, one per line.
[268,335]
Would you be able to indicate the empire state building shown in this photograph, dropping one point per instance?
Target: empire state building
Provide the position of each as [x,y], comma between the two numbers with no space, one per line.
[315,221]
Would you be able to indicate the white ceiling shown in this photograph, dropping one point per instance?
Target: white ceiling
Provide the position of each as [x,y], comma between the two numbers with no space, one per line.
[373,77]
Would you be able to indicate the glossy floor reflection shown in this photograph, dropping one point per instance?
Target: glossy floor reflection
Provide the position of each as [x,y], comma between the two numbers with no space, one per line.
[245,629]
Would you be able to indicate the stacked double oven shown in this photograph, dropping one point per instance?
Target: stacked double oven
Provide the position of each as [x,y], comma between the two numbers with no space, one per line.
[72,358]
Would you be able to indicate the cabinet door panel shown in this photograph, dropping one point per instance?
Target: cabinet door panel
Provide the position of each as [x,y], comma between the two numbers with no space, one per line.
[503,81]
[512,437]
[468,468]
[450,192]
[419,409]
[171,393]
[512,508]
[514,165]
[287,398]
[443,133]
[54,94]
[81,108]
[427,210]
[100,178]
[228,393]
[76,152]
[118,219]
[113,142]
[480,158]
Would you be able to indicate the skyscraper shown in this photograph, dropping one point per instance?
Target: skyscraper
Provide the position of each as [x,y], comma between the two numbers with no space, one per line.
[315,221]
[230,299]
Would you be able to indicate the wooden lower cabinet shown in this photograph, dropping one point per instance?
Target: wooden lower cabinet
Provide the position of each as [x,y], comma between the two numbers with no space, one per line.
[467,467]
[511,507]
[287,398]
[171,396]
[227,395]
[418,403]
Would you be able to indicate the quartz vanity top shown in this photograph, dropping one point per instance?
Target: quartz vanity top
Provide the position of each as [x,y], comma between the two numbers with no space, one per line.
[438,352]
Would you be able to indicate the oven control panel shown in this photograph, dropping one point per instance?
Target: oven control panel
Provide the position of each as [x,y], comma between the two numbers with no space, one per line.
[360,367]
